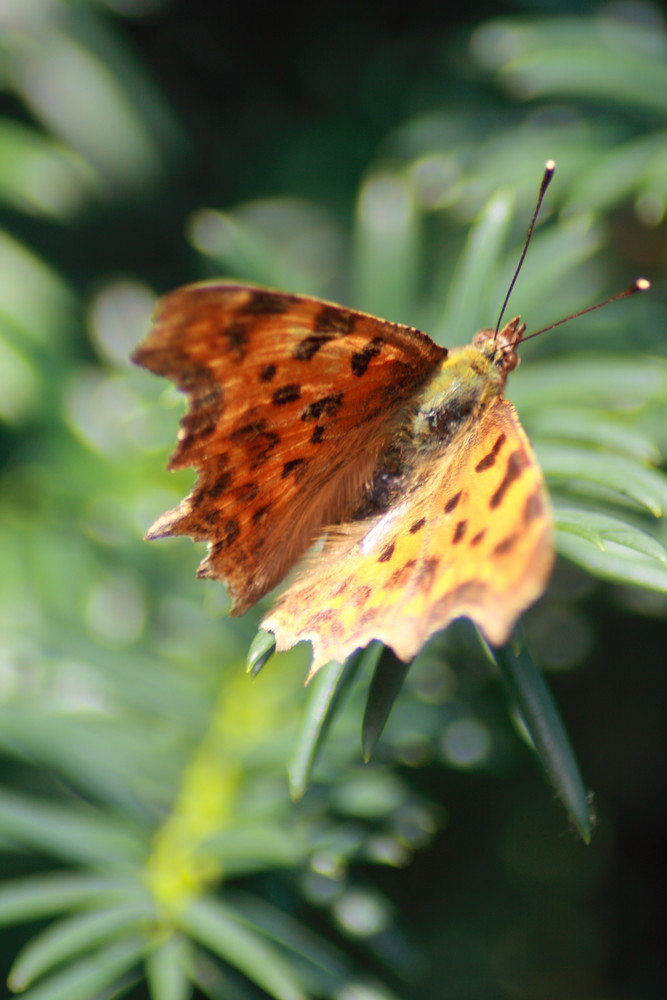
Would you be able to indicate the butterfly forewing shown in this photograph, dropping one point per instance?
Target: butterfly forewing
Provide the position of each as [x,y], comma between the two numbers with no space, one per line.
[291,399]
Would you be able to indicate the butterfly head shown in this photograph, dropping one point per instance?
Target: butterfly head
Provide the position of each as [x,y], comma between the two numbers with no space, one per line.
[501,347]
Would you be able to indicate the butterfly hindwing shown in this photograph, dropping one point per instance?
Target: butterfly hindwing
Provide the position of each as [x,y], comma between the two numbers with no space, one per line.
[473,538]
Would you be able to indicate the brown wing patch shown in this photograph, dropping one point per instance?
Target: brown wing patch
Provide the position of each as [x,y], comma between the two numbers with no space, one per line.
[290,401]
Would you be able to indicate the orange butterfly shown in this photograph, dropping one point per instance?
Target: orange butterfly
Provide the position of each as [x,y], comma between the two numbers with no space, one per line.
[310,421]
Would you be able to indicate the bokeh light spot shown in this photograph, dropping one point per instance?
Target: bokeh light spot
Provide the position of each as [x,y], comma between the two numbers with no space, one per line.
[466,743]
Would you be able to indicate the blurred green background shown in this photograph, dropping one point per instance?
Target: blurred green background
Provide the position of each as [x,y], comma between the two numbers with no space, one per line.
[386,156]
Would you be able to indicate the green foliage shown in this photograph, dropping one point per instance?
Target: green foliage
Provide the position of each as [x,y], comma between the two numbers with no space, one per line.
[146,824]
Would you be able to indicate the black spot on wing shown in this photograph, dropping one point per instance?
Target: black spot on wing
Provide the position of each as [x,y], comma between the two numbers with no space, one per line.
[263,303]
[360,361]
[452,503]
[309,346]
[198,424]
[236,335]
[226,534]
[387,552]
[399,575]
[220,485]
[286,394]
[534,507]
[327,406]
[260,513]
[476,539]
[263,447]
[207,403]
[247,492]
[516,463]
[489,460]
[291,466]
[333,319]
[506,545]
[244,433]
[459,532]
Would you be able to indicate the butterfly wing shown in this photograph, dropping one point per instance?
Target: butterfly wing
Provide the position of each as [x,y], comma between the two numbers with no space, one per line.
[472,536]
[290,401]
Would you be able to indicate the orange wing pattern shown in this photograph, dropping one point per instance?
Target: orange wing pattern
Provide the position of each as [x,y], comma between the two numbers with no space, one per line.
[471,536]
[290,401]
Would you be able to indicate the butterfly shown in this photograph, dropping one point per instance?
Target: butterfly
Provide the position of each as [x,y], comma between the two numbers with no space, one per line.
[396,467]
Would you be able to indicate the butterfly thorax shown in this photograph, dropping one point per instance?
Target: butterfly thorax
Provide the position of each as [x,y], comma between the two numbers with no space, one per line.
[463,385]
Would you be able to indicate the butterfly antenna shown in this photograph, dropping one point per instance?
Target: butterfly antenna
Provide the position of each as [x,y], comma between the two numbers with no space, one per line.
[549,168]
[640,285]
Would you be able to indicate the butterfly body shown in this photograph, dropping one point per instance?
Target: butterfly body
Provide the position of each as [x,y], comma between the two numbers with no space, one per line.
[310,421]
[465,383]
